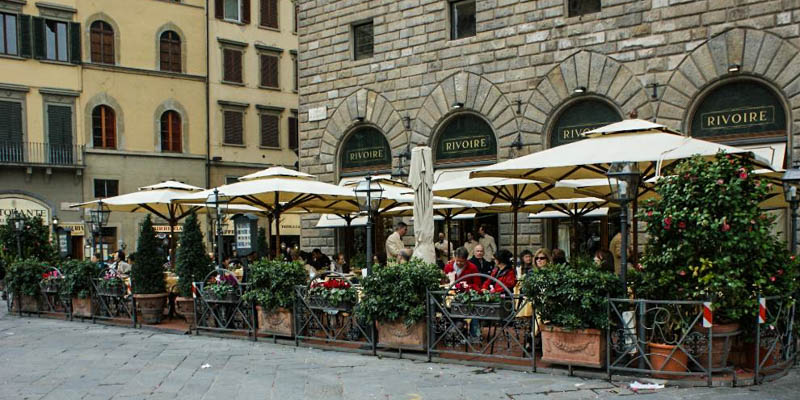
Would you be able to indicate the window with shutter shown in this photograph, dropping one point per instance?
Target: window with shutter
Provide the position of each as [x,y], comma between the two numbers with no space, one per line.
[170,52]
[269,13]
[104,128]
[8,34]
[11,131]
[362,41]
[171,138]
[55,41]
[296,74]
[294,141]
[59,133]
[233,122]
[232,9]
[581,7]
[101,36]
[296,19]
[232,65]
[270,131]
[269,71]
[462,19]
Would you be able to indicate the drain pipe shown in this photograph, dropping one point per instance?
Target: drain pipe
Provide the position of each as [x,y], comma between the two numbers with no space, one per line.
[208,103]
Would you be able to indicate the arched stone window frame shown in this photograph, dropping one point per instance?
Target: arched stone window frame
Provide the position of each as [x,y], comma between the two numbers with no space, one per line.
[87,35]
[170,27]
[341,148]
[558,110]
[444,122]
[171,105]
[104,99]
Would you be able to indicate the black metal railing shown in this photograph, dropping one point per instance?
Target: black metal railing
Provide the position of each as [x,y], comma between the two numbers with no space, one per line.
[13,152]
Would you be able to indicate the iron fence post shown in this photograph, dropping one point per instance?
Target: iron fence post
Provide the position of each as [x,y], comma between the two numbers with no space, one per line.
[756,368]
[708,350]
[640,328]
[608,337]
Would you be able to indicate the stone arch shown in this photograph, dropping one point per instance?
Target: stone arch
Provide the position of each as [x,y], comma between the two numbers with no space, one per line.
[87,35]
[104,98]
[169,26]
[472,93]
[171,105]
[597,75]
[365,107]
[759,55]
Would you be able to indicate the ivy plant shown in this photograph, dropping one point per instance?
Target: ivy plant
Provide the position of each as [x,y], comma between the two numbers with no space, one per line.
[24,275]
[78,276]
[272,283]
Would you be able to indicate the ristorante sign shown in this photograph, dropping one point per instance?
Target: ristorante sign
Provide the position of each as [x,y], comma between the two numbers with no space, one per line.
[740,110]
[25,206]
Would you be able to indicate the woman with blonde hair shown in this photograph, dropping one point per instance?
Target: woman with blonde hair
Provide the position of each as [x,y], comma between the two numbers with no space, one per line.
[542,258]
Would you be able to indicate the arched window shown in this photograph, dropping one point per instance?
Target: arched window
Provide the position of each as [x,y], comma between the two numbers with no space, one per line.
[171,132]
[170,52]
[102,42]
[580,117]
[366,149]
[466,138]
[104,128]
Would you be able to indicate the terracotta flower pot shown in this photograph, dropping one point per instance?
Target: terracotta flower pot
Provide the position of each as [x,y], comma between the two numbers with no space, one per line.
[151,307]
[82,307]
[185,306]
[277,322]
[29,303]
[397,335]
[764,360]
[661,361]
[722,336]
[584,347]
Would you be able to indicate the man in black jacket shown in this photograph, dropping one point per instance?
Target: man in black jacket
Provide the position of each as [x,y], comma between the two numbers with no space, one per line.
[484,266]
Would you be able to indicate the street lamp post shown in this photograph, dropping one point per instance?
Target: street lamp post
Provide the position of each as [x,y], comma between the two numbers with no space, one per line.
[623,180]
[369,194]
[99,217]
[18,223]
[216,203]
[791,180]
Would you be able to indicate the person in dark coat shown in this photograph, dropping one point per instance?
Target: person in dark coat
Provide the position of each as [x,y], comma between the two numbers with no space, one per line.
[484,266]
[504,272]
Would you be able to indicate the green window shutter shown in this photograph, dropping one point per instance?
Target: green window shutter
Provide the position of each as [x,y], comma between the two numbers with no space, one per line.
[38,38]
[25,36]
[10,121]
[75,42]
[59,123]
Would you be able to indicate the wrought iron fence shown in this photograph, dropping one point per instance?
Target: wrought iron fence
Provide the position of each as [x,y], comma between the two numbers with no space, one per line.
[112,299]
[320,321]
[661,338]
[54,302]
[223,312]
[776,345]
[41,153]
[501,330]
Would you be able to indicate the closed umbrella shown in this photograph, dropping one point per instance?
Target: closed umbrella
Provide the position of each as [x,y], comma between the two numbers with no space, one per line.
[420,177]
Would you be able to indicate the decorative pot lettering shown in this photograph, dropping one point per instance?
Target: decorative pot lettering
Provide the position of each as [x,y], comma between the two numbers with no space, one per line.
[82,307]
[584,347]
[487,311]
[397,335]
[277,322]
[321,303]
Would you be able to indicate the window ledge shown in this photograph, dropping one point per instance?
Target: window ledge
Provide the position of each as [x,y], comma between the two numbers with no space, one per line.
[58,62]
[269,28]
[270,148]
[234,145]
[12,57]
[232,21]
[463,40]
[276,89]
[232,83]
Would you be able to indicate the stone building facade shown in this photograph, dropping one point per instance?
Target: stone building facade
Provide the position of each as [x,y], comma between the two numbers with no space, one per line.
[531,64]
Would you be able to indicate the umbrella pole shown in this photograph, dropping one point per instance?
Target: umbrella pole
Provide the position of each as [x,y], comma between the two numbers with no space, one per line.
[172,242]
[635,244]
[573,243]
[277,234]
[348,242]
[516,208]
[269,234]
[447,221]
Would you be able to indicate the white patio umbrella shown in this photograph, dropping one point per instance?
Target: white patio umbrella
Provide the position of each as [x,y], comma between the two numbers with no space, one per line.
[420,177]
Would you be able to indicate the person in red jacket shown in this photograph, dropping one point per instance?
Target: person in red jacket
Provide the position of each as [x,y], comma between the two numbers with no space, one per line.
[462,267]
[503,271]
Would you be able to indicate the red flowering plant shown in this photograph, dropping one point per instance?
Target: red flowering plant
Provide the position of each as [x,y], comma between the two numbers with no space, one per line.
[465,294]
[335,292]
[51,280]
[708,239]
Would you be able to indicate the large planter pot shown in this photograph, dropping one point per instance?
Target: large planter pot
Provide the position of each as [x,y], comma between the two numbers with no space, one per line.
[584,347]
[487,311]
[185,306]
[231,298]
[28,303]
[397,335]
[82,307]
[276,322]
[722,337]
[320,303]
[112,291]
[661,361]
[764,360]
[151,306]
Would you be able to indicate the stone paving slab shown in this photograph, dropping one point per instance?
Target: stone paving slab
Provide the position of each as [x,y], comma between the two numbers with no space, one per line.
[60,360]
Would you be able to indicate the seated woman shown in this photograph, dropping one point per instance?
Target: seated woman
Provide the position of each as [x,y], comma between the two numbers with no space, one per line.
[503,271]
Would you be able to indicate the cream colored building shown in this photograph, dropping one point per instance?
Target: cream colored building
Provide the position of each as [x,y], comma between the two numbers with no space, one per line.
[136,94]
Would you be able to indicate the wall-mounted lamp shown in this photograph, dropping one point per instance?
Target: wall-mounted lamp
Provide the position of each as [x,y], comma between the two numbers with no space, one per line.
[580,89]
[518,103]
[407,122]
[733,68]
[458,105]
[517,143]
[358,119]
[654,86]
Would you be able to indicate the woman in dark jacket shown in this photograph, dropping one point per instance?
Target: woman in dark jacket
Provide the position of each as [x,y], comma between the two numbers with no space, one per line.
[503,271]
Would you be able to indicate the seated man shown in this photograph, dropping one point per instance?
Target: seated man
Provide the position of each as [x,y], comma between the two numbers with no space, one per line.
[462,267]
[484,266]
[320,261]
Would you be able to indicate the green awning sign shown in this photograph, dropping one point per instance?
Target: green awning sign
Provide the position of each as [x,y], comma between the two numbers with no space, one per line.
[579,118]
[366,149]
[739,110]
[466,138]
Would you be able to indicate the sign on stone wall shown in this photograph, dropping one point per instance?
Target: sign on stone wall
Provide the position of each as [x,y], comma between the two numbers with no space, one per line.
[466,138]
[26,206]
[739,110]
[366,149]
[581,117]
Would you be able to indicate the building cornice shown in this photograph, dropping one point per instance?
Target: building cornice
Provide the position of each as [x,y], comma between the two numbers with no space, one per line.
[268,48]
[140,71]
[147,154]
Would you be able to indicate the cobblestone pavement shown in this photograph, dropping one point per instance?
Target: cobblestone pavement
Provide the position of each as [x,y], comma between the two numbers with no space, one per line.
[50,359]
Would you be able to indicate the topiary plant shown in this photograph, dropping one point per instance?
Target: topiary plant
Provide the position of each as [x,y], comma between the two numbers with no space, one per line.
[272,283]
[78,276]
[572,296]
[398,292]
[192,264]
[147,272]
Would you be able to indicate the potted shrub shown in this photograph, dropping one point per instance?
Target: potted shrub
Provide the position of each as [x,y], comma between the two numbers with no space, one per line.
[147,276]
[77,286]
[332,294]
[222,289]
[191,264]
[571,302]
[480,304]
[709,240]
[22,281]
[394,298]
[272,289]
